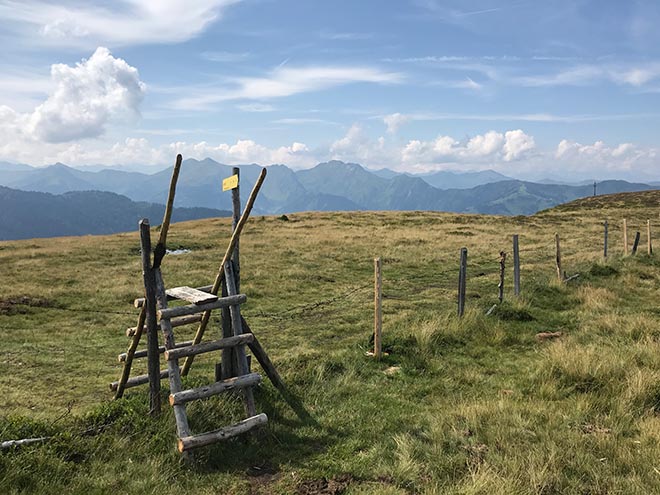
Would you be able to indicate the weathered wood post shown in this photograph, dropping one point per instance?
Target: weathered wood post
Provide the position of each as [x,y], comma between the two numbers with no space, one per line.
[516,266]
[560,273]
[625,237]
[236,216]
[636,243]
[502,268]
[649,246]
[605,226]
[462,275]
[378,309]
[153,354]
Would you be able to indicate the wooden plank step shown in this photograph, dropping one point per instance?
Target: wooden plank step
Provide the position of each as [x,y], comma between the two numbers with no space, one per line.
[137,380]
[222,302]
[215,345]
[191,295]
[143,353]
[175,322]
[203,439]
[139,302]
[215,388]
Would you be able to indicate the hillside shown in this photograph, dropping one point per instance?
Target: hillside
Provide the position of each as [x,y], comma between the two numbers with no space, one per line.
[24,215]
[330,186]
[472,405]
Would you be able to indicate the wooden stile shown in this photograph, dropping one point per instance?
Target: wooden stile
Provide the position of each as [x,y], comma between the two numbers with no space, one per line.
[143,353]
[193,442]
[216,388]
[228,254]
[175,322]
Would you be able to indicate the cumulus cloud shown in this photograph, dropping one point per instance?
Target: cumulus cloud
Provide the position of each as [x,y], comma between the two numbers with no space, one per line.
[85,99]
[490,147]
[395,121]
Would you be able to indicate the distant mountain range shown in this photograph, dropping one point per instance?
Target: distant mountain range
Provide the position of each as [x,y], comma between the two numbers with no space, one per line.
[330,186]
[24,215]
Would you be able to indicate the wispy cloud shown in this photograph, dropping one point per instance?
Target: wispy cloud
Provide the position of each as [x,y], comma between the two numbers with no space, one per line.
[286,81]
[123,22]
[220,56]
[304,120]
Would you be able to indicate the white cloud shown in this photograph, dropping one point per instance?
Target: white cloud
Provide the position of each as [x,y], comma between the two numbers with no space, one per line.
[122,22]
[489,148]
[83,101]
[395,121]
[286,81]
[86,97]
[256,107]
[600,157]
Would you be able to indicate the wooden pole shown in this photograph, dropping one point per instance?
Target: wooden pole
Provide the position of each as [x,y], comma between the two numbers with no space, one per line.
[220,275]
[625,237]
[153,355]
[462,274]
[236,216]
[560,274]
[649,246]
[516,266]
[160,250]
[502,268]
[636,243]
[605,225]
[126,370]
[378,309]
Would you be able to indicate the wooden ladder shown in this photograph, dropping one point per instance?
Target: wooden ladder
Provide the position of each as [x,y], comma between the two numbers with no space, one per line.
[201,303]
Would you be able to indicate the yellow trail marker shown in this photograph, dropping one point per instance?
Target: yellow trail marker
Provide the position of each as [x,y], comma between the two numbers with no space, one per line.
[230,183]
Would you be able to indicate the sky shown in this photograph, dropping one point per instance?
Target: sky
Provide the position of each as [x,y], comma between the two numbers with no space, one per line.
[564,89]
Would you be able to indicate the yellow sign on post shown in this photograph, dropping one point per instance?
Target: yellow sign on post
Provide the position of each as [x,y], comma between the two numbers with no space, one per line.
[230,183]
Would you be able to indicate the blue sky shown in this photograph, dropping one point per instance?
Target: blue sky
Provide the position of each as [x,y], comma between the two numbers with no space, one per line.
[532,89]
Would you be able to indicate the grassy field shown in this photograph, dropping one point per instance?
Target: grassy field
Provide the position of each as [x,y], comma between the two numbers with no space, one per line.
[459,406]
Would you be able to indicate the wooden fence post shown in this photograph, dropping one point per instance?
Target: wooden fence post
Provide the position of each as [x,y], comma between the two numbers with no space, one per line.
[605,225]
[560,274]
[378,309]
[636,243]
[648,235]
[502,268]
[462,275]
[516,266]
[153,354]
[625,237]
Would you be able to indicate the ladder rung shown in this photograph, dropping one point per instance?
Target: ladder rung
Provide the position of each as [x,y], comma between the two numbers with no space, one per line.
[193,350]
[175,322]
[192,309]
[139,302]
[137,380]
[214,388]
[143,353]
[191,295]
[195,441]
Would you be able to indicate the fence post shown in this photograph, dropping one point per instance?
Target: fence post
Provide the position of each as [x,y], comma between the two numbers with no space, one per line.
[378,309]
[636,243]
[648,235]
[605,225]
[560,274]
[625,237]
[153,354]
[502,268]
[516,266]
[462,275]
